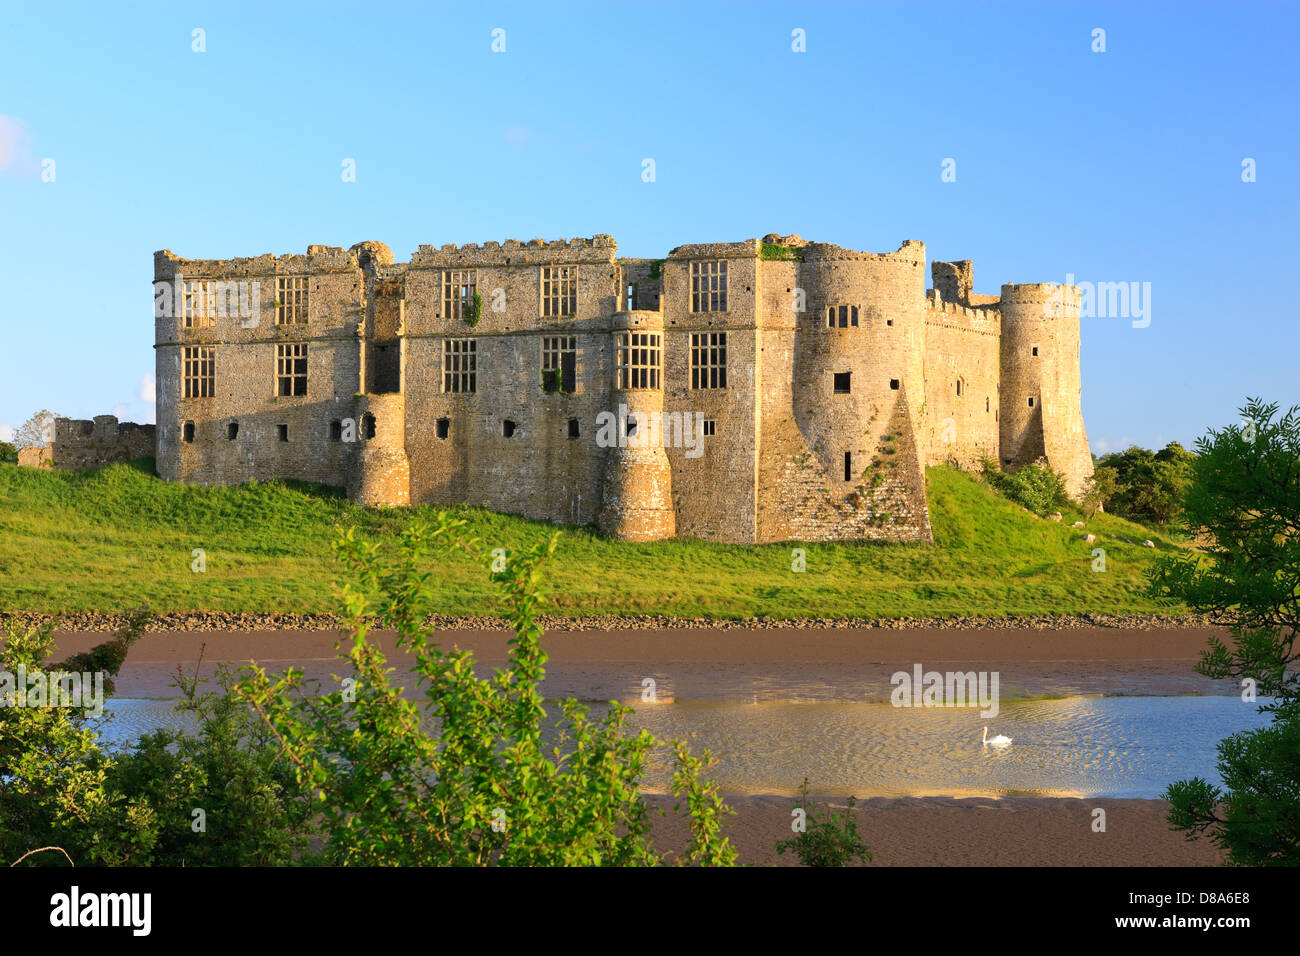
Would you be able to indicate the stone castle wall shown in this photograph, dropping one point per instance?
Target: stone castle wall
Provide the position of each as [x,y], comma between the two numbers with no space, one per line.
[79,444]
[821,432]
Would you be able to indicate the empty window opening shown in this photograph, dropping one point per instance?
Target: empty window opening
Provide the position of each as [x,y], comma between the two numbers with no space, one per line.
[709,286]
[290,300]
[367,425]
[291,369]
[959,387]
[638,357]
[336,430]
[283,432]
[710,427]
[574,428]
[232,431]
[508,428]
[458,290]
[853,316]
[631,426]
[459,365]
[559,290]
[893,383]
[559,363]
[631,296]
[889,321]
[1035,349]
[444,427]
[1031,401]
[848,466]
[708,360]
[187,432]
[986,403]
[842,382]
[198,370]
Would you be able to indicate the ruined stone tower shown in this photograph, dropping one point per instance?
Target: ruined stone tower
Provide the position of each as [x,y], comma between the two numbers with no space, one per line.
[763,390]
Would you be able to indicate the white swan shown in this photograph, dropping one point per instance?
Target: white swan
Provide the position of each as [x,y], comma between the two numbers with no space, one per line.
[998,741]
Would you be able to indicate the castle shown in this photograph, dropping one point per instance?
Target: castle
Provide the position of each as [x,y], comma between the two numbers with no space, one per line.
[764,390]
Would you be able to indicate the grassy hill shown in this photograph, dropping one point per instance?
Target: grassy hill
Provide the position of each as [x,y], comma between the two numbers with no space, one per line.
[118,537]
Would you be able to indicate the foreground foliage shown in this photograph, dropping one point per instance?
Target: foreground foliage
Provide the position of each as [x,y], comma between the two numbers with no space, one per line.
[467,771]
[1244,498]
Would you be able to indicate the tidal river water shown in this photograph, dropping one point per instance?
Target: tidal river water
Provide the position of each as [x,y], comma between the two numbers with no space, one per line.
[1081,746]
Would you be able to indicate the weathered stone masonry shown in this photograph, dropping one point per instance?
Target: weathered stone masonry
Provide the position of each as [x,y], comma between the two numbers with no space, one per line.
[558,381]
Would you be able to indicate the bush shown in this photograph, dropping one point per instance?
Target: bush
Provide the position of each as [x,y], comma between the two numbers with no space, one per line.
[828,838]
[480,786]
[363,775]
[1035,487]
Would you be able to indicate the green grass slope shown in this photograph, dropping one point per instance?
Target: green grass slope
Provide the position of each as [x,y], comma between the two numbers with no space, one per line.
[118,537]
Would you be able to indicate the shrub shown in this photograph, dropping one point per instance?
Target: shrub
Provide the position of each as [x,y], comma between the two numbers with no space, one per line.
[475,784]
[828,838]
[1035,487]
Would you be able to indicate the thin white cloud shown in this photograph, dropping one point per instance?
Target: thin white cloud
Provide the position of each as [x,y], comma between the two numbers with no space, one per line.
[148,393]
[119,411]
[6,432]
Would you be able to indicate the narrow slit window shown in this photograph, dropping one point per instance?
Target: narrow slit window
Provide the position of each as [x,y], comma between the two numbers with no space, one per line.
[1031,401]
[282,432]
[336,430]
[232,431]
[368,425]
[848,466]
[574,428]
[187,432]
[444,427]
[853,316]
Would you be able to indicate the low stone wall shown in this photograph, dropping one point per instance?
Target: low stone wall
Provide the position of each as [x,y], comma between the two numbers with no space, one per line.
[81,444]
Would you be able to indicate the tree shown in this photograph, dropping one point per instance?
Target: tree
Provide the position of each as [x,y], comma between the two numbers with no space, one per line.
[1244,499]
[36,431]
[1098,489]
[1149,485]
[8,453]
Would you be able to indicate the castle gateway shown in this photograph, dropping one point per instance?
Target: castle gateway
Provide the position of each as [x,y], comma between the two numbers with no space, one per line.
[764,390]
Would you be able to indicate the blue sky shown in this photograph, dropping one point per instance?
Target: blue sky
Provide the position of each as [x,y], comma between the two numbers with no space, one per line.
[1117,166]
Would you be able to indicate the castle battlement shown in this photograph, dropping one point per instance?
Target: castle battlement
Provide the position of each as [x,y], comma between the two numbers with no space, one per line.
[806,388]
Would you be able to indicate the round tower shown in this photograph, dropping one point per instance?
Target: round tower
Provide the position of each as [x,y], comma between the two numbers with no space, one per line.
[636,496]
[859,369]
[1041,415]
[381,473]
